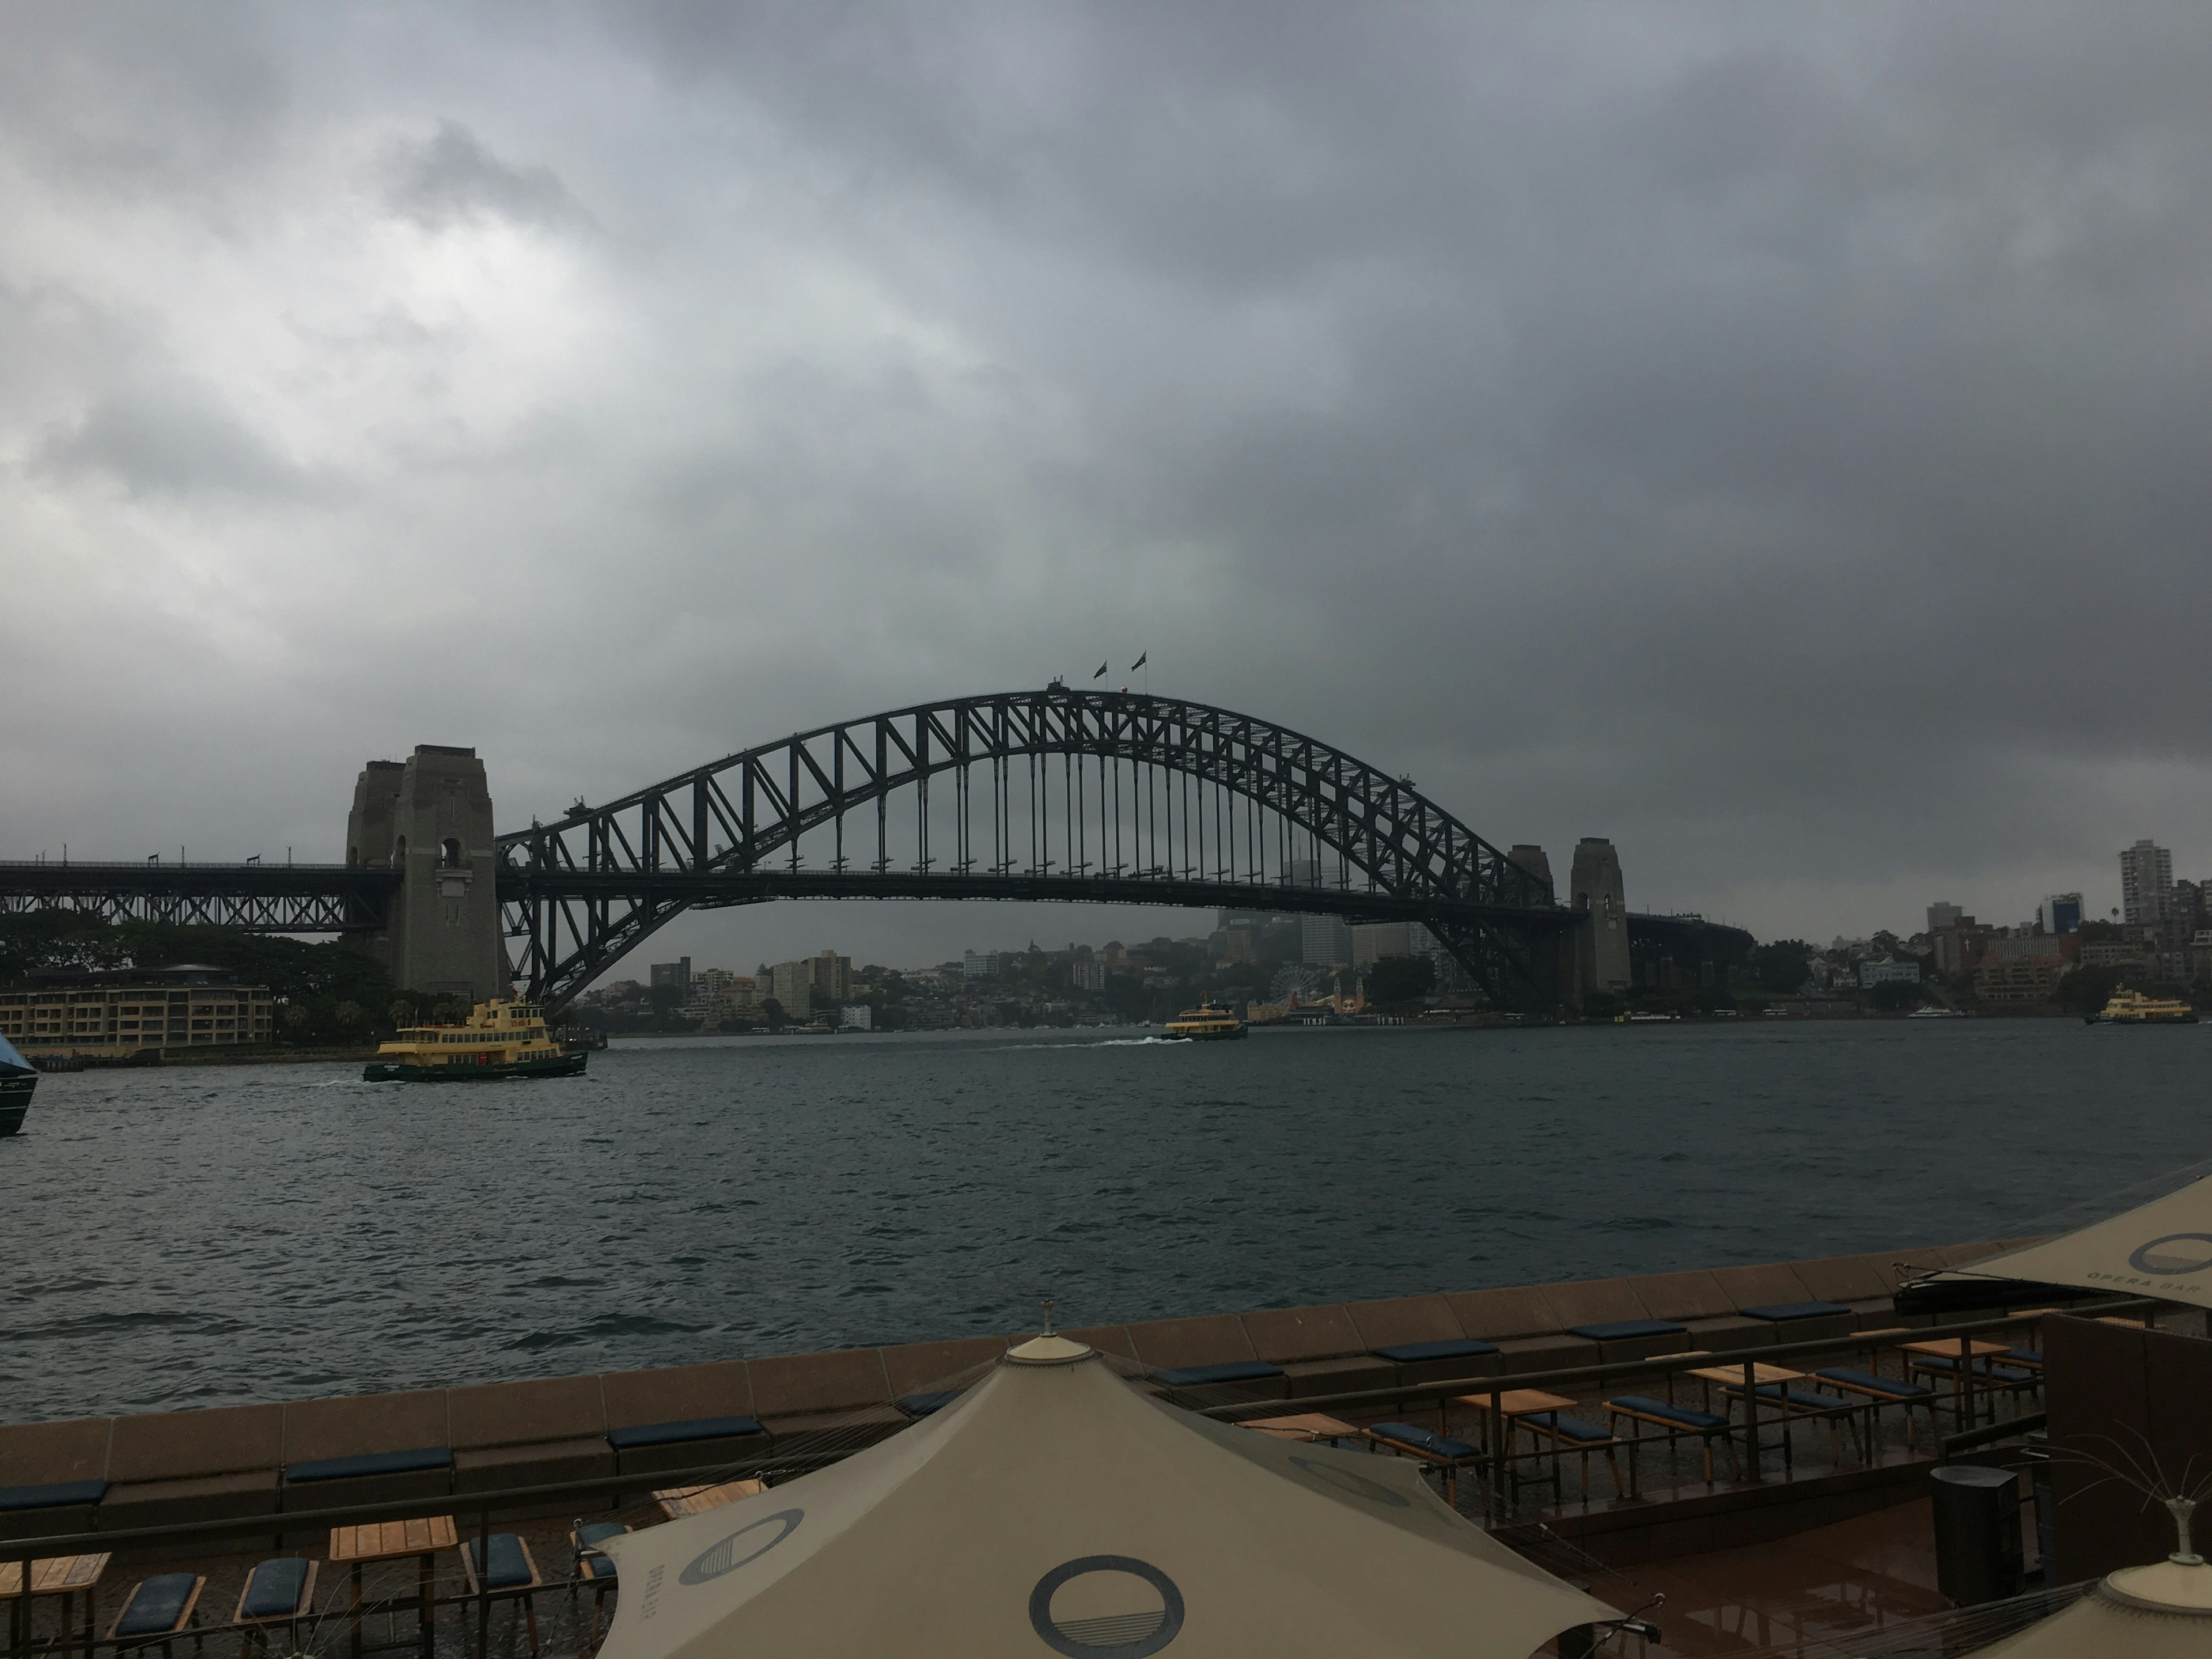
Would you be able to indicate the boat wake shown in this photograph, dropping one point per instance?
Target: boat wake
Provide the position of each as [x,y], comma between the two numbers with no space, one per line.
[1105,1043]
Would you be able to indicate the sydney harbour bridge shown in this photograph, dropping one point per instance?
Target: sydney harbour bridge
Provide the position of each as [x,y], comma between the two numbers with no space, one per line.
[1101,797]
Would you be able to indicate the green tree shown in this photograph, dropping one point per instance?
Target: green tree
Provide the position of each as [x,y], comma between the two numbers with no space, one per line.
[2086,990]
[1894,996]
[1781,966]
[772,1012]
[1398,979]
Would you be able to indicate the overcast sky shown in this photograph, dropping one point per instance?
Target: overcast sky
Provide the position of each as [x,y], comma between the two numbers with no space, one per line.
[1773,437]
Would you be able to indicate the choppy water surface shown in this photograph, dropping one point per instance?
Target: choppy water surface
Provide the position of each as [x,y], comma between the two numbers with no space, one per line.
[196,1236]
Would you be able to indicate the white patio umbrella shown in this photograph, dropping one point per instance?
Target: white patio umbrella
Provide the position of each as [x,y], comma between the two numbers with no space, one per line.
[2161,1248]
[2162,1610]
[1055,1509]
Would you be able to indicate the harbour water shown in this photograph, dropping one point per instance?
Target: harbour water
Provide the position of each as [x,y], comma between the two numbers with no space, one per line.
[203,1236]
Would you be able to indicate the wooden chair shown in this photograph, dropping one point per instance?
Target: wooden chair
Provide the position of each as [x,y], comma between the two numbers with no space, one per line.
[278,1592]
[513,1576]
[594,1566]
[157,1611]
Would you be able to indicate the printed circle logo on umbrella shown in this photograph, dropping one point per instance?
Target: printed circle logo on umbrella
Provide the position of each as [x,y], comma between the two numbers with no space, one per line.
[741,1546]
[2175,1253]
[1107,1617]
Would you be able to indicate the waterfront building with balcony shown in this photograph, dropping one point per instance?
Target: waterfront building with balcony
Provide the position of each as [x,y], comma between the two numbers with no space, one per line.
[118,1016]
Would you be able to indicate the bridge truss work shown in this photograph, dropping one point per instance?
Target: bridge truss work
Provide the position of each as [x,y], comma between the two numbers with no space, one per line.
[256,898]
[1092,796]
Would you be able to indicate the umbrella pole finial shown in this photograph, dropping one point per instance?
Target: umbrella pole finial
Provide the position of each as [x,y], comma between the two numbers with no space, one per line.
[2182,1509]
[1049,1331]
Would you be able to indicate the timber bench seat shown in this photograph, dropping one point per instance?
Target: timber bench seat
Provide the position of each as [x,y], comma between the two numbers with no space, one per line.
[53,1495]
[158,1610]
[1572,1434]
[1676,1421]
[414,1459]
[1437,1450]
[683,1431]
[1878,1391]
[278,1592]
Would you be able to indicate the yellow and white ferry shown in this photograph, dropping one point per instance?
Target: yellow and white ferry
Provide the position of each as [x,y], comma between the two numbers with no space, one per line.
[2133,1008]
[501,1039]
[1207,1023]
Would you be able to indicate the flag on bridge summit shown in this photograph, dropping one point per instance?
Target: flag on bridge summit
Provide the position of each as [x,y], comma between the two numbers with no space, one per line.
[1140,662]
[1101,673]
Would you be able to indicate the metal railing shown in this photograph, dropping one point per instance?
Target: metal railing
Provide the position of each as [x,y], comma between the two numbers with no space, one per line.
[23,1552]
[482,1507]
[1486,1391]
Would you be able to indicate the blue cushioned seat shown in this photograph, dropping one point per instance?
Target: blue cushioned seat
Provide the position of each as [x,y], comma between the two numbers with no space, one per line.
[590,1534]
[1621,1330]
[1567,1428]
[1688,1416]
[1462,1347]
[1779,1312]
[391,1463]
[510,1567]
[156,1605]
[1895,1388]
[1803,1399]
[273,1591]
[924,1405]
[2026,1356]
[1436,1445]
[1946,1366]
[55,1496]
[1238,1371]
[688,1428]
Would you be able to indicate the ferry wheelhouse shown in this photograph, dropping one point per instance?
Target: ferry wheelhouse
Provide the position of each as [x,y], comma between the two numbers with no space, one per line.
[499,1039]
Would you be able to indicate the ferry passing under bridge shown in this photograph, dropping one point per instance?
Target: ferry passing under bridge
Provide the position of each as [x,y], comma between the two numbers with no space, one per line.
[1100,797]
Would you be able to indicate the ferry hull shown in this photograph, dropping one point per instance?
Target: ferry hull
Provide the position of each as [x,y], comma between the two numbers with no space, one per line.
[15,1102]
[2139,1019]
[1231,1035]
[401,1072]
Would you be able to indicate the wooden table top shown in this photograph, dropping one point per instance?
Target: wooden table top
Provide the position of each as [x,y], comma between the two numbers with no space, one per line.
[1946,1347]
[1519,1402]
[386,1541]
[677,1502]
[1302,1425]
[1760,1374]
[2120,1319]
[55,1575]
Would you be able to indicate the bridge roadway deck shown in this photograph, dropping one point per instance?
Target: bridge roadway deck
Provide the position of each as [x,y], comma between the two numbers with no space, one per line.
[720,888]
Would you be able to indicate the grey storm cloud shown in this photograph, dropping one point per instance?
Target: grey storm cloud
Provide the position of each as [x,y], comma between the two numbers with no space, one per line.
[1770,437]
[451,175]
[170,439]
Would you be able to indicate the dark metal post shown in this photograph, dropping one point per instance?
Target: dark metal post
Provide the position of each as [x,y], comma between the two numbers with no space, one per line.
[19,1614]
[483,1583]
[1751,1412]
[1498,1430]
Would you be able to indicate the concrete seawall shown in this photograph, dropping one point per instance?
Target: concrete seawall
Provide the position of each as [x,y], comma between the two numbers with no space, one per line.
[111,1473]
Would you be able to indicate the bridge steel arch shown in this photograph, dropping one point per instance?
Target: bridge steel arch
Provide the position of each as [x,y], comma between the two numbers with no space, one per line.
[1061,794]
